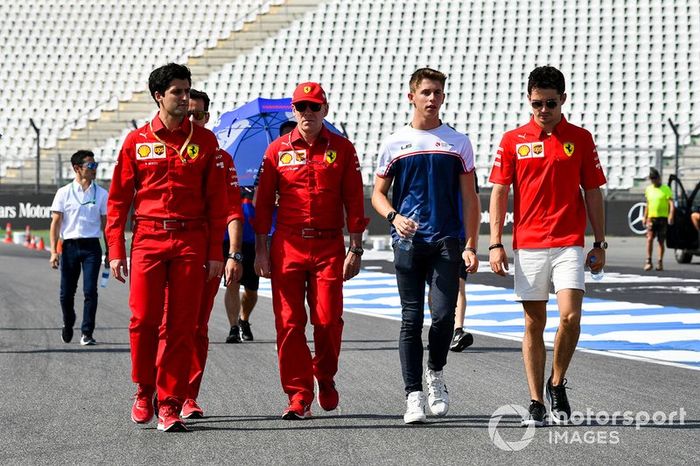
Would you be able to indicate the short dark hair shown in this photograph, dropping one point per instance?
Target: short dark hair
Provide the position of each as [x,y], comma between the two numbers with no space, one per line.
[200,95]
[287,127]
[426,73]
[546,77]
[79,157]
[160,78]
[654,174]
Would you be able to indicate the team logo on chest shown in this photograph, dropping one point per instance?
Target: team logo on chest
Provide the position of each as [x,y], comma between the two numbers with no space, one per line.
[291,157]
[569,148]
[193,151]
[331,155]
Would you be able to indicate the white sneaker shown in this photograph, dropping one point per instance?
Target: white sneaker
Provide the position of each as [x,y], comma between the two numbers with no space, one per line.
[438,399]
[415,408]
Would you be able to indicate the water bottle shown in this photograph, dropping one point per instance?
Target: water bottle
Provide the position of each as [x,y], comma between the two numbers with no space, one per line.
[407,243]
[105,277]
[596,276]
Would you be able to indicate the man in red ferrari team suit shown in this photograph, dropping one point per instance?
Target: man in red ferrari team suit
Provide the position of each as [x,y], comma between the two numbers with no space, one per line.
[317,176]
[168,171]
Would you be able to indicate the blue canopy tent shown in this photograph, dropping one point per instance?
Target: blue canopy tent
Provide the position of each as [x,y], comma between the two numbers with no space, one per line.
[246,131]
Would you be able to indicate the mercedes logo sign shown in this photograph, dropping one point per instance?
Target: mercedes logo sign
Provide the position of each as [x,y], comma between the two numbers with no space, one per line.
[635,218]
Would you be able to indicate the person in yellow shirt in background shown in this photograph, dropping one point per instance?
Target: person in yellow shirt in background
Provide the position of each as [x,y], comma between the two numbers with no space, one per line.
[658,214]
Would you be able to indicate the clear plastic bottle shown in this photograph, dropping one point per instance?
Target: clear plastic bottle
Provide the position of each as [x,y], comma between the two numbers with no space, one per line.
[596,276]
[105,277]
[407,243]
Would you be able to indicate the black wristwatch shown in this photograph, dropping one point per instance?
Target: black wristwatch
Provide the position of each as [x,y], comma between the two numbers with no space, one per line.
[600,245]
[391,216]
[358,251]
[237,256]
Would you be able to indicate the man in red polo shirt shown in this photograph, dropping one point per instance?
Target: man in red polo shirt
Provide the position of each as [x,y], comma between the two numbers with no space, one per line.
[548,161]
[168,170]
[317,176]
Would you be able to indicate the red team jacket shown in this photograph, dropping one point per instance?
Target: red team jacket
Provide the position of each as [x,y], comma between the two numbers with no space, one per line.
[168,175]
[313,183]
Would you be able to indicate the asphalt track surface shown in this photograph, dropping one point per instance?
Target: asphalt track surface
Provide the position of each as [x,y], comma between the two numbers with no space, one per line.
[67,404]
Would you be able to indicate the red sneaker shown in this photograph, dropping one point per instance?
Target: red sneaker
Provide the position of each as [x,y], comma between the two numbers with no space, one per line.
[297,410]
[142,410]
[327,395]
[191,410]
[169,419]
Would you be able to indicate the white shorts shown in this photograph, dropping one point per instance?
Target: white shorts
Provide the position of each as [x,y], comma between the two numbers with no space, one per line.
[536,268]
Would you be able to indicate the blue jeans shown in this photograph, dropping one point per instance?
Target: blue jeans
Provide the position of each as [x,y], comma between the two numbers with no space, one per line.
[436,264]
[86,254]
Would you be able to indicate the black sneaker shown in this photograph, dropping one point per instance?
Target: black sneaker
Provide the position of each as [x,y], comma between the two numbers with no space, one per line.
[461,340]
[536,414]
[559,409]
[67,334]
[246,334]
[234,336]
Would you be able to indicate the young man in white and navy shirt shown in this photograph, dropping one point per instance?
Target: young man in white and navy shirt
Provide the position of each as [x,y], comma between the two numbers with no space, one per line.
[78,216]
[431,166]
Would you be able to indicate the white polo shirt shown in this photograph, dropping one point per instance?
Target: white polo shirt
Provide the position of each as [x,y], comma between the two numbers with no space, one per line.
[82,210]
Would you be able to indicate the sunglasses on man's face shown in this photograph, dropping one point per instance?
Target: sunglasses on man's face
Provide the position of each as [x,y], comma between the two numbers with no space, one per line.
[549,103]
[302,106]
[90,165]
[198,114]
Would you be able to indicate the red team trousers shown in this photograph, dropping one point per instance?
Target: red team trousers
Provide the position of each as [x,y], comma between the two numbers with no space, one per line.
[176,259]
[311,268]
[201,337]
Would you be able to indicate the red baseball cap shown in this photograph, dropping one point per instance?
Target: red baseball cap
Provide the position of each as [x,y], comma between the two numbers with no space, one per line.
[309,92]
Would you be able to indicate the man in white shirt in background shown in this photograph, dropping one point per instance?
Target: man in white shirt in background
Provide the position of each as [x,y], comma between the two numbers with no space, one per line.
[78,216]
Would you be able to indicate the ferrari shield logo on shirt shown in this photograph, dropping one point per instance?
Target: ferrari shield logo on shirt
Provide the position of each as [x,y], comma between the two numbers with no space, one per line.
[569,148]
[292,157]
[193,151]
[331,156]
[524,151]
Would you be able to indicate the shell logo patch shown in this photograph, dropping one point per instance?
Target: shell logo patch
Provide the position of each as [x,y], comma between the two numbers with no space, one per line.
[288,158]
[193,151]
[307,89]
[331,155]
[143,150]
[523,151]
[569,148]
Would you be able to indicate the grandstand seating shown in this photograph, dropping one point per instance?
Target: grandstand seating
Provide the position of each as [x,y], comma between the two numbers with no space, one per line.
[65,61]
[630,66]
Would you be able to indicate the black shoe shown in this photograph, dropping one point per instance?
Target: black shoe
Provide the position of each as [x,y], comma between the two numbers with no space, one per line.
[246,334]
[461,340]
[234,336]
[536,417]
[559,409]
[67,334]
